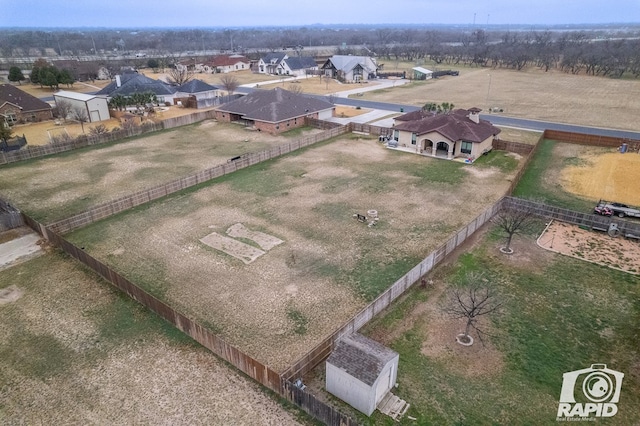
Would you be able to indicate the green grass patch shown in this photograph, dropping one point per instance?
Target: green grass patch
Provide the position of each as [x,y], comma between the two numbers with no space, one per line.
[299,320]
[559,314]
[540,181]
[499,159]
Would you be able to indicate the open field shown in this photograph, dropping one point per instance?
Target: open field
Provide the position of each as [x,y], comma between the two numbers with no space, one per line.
[534,94]
[329,265]
[559,314]
[576,176]
[73,350]
[55,187]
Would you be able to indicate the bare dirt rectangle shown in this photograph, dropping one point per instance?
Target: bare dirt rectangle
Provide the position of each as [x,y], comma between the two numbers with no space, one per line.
[329,265]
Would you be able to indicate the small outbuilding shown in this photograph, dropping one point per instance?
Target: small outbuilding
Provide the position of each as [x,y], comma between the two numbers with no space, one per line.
[96,107]
[420,73]
[361,371]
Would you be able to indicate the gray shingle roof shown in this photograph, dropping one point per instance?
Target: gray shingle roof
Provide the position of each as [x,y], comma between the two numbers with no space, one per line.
[301,62]
[361,357]
[27,102]
[273,57]
[137,83]
[196,86]
[347,63]
[455,125]
[275,105]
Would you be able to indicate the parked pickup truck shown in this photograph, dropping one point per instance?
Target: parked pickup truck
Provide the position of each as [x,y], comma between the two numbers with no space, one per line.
[618,209]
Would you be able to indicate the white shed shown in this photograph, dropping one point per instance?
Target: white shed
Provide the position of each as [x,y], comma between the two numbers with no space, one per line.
[361,372]
[420,73]
[97,107]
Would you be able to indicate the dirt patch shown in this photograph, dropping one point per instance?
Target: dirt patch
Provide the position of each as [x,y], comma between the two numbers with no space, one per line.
[592,246]
[10,294]
[604,176]
[346,111]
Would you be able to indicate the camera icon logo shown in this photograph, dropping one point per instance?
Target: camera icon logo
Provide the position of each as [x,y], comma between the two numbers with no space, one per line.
[593,391]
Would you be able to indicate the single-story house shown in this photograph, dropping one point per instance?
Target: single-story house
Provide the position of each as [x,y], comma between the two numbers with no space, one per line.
[130,83]
[17,106]
[230,63]
[197,94]
[420,73]
[97,107]
[350,69]
[361,371]
[274,111]
[459,133]
[297,66]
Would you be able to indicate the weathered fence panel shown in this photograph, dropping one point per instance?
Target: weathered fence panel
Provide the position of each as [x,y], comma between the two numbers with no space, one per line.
[591,140]
[10,217]
[327,414]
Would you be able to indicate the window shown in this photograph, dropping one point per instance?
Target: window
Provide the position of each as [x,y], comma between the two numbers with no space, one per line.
[396,135]
[413,138]
[466,147]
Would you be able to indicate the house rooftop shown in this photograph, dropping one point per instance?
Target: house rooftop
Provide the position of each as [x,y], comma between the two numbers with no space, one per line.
[275,105]
[196,86]
[26,102]
[74,95]
[455,125]
[137,83]
[361,357]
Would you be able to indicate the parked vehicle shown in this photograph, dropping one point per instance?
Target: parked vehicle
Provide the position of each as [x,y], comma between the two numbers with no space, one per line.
[618,209]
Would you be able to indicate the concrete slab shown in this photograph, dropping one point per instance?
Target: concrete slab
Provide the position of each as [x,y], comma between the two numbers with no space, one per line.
[20,249]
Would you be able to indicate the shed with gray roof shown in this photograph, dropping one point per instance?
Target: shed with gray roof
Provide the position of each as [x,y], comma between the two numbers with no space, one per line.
[361,371]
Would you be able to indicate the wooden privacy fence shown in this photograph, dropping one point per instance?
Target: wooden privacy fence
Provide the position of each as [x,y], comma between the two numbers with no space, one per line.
[252,368]
[324,348]
[127,202]
[516,147]
[10,217]
[370,129]
[591,140]
[569,216]
[322,411]
[83,141]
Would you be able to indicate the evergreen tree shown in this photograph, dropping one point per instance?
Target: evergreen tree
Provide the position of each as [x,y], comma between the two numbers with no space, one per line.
[15,74]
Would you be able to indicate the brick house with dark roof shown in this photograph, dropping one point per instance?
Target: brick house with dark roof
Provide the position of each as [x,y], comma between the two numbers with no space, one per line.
[17,106]
[459,133]
[361,371]
[274,111]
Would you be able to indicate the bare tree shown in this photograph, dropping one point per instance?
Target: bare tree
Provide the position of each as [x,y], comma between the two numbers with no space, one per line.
[229,83]
[471,302]
[295,88]
[63,108]
[98,130]
[178,77]
[512,221]
[80,115]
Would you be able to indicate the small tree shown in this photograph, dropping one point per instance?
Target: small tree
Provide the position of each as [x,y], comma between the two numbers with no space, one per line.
[295,88]
[80,115]
[513,221]
[98,130]
[15,74]
[153,64]
[229,83]
[5,133]
[471,302]
[63,109]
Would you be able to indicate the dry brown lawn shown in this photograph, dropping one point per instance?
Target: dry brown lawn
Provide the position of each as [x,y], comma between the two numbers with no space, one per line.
[282,304]
[603,173]
[534,94]
[74,351]
[52,188]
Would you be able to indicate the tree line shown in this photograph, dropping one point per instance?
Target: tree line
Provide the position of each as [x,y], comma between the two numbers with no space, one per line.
[602,52]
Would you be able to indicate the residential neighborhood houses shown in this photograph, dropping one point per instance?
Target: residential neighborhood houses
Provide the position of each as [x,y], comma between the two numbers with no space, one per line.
[282,64]
[350,69]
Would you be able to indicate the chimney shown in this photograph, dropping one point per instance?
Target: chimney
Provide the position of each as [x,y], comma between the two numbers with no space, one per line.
[118,82]
[474,115]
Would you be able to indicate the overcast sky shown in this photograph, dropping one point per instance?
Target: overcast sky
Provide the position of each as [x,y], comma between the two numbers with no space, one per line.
[234,13]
